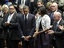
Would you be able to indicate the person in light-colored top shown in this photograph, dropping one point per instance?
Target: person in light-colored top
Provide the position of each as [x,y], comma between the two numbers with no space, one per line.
[42,22]
[5,9]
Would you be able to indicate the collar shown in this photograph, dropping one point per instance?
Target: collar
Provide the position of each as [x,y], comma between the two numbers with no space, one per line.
[26,16]
[58,21]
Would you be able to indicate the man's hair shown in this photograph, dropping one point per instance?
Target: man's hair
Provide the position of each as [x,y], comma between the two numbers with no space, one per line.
[40,2]
[11,5]
[58,13]
[25,7]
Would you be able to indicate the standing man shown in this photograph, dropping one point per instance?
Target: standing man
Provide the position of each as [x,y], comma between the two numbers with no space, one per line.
[54,8]
[10,26]
[57,32]
[27,23]
[1,30]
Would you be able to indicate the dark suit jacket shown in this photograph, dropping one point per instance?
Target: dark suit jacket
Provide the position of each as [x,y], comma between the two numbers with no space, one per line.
[1,29]
[29,28]
[11,31]
[52,20]
[59,34]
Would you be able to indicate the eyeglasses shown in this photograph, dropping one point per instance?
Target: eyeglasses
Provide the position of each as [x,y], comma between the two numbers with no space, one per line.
[52,6]
[11,8]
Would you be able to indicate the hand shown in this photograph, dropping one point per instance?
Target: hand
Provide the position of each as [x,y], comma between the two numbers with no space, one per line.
[35,34]
[23,37]
[27,38]
[50,32]
[60,27]
[7,24]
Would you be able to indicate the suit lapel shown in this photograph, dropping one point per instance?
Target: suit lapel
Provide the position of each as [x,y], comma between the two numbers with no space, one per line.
[23,20]
[55,26]
[60,23]
[14,16]
[6,17]
[28,20]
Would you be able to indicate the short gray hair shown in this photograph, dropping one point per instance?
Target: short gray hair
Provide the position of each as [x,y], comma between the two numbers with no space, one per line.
[58,13]
[25,7]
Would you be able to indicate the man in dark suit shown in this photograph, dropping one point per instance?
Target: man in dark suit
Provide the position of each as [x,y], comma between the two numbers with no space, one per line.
[11,28]
[54,8]
[1,33]
[57,32]
[27,23]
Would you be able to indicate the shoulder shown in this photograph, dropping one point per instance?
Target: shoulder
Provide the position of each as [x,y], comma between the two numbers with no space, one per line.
[62,21]
[46,16]
[31,14]
[6,15]
[60,11]
[19,15]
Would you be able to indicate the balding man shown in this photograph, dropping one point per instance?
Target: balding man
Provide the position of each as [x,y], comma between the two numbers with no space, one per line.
[57,32]
[27,24]
[54,8]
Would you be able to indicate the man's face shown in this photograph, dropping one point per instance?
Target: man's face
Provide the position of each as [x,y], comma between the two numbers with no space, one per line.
[39,4]
[26,11]
[11,9]
[53,7]
[56,17]
[21,9]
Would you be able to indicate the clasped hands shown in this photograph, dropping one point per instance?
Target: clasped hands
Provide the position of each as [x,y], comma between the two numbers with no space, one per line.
[35,34]
[26,37]
[7,24]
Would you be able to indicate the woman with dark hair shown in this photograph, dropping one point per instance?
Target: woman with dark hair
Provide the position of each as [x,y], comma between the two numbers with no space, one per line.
[43,22]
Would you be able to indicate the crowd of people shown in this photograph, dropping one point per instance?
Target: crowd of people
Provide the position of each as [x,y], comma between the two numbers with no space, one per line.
[32,23]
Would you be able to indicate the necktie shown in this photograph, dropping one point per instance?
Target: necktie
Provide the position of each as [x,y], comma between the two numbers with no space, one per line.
[56,25]
[52,15]
[25,20]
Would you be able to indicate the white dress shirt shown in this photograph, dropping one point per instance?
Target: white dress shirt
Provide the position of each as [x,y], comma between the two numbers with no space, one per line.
[9,18]
[26,16]
[58,22]
[23,2]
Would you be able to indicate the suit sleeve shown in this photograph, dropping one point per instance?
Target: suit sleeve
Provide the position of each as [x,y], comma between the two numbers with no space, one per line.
[33,26]
[19,27]
[3,22]
[15,24]
[59,32]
